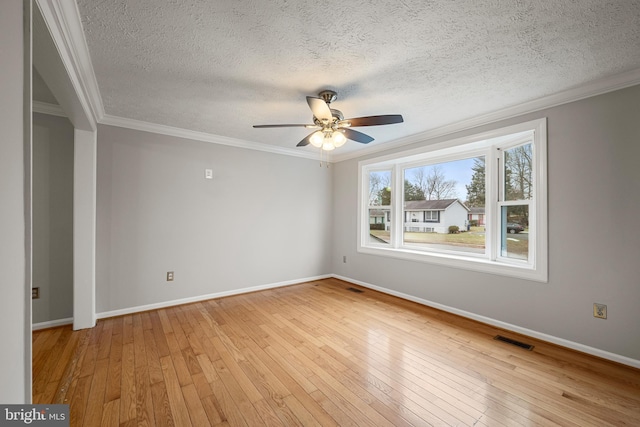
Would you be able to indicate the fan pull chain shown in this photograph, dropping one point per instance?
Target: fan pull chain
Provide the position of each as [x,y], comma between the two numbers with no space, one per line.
[326,163]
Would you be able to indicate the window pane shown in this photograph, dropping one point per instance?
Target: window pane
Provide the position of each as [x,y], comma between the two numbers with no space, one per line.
[518,173]
[434,205]
[515,232]
[379,207]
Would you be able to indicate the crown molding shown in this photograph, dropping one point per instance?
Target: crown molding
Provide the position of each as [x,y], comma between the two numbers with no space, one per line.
[46,108]
[203,136]
[65,26]
[597,87]
[64,23]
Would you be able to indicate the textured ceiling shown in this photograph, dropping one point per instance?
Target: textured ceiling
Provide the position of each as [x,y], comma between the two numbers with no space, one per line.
[222,66]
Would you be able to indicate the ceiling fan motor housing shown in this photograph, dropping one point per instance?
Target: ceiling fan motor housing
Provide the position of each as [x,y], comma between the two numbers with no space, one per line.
[337,117]
[328,96]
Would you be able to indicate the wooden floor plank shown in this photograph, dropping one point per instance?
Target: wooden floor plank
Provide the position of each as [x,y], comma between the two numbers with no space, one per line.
[50,358]
[93,414]
[194,405]
[79,401]
[162,412]
[114,376]
[335,412]
[145,415]
[69,381]
[111,414]
[153,357]
[128,383]
[174,393]
[229,410]
[234,392]
[104,344]
[213,409]
[317,354]
[275,415]
[161,327]
[65,357]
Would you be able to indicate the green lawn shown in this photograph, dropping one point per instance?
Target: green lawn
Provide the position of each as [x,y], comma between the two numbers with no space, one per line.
[518,248]
[475,238]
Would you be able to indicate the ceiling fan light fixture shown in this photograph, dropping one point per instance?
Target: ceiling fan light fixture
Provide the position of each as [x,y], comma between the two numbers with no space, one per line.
[338,139]
[317,139]
[328,146]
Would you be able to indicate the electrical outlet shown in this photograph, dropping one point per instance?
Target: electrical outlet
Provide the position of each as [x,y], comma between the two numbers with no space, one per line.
[599,311]
[35,293]
[169,276]
[208,173]
[344,259]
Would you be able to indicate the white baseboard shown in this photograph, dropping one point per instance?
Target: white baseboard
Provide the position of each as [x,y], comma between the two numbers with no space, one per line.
[52,324]
[514,328]
[164,304]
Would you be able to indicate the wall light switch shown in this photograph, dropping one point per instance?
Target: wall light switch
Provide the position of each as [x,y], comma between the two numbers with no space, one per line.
[208,173]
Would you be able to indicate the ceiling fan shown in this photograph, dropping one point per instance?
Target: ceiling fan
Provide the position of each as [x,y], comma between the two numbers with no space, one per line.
[333,129]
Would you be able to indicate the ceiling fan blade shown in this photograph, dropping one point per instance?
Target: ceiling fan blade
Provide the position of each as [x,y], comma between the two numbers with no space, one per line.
[357,136]
[388,119]
[319,108]
[284,126]
[305,141]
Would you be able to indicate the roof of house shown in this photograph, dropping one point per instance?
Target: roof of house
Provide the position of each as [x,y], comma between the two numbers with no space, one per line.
[378,212]
[477,210]
[431,205]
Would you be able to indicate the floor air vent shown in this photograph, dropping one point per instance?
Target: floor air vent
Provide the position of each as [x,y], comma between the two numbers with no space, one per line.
[513,342]
[356,290]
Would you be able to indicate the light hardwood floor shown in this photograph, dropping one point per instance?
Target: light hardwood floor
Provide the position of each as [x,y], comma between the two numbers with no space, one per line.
[319,354]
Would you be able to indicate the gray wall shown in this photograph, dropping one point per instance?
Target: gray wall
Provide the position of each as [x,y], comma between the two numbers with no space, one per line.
[52,217]
[594,234]
[263,219]
[15,356]
[40,89]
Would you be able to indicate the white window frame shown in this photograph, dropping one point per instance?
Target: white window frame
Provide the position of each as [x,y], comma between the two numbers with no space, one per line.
[490,144]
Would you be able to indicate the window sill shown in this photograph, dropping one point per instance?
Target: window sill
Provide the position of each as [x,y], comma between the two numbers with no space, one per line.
[471,263]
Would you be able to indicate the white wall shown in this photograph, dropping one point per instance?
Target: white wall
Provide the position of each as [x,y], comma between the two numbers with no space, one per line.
[263,219]
[454,215]
[594,235]
[14,324]
[52,217]
[85,150]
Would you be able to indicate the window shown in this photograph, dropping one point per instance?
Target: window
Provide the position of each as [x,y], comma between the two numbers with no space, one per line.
[379,206]
[431,216]
[515,195]
[476,203]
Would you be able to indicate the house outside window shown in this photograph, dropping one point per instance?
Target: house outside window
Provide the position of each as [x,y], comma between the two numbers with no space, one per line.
[476,216]
[477,202]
